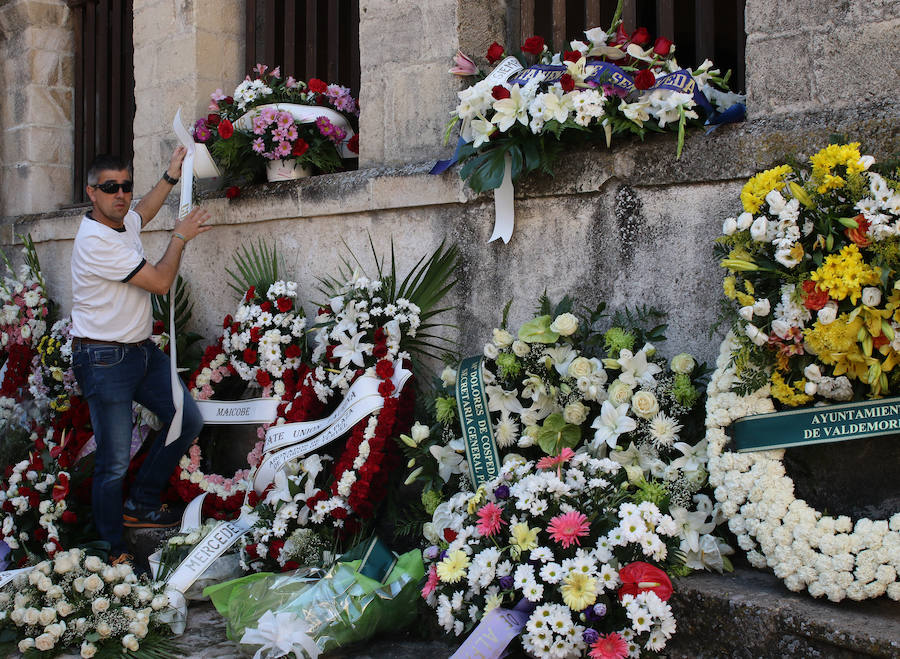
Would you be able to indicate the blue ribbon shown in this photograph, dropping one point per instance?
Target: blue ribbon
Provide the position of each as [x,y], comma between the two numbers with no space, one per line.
[442,166]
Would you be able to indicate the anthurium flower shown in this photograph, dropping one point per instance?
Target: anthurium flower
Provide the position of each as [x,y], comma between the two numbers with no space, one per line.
[639,577]
[61,489]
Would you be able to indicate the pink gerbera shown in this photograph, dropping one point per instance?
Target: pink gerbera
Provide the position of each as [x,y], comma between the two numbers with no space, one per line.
[609,646]
[490,519]
[431,583]
[551,461]
[567,528]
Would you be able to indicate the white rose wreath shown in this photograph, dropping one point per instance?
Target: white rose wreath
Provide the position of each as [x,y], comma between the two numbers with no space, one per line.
[806,549]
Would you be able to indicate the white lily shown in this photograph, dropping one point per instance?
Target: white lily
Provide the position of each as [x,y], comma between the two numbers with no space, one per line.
[636,112]
[500,400]
[556,107]
[281,634]
[636,369]
[690,525]
[510,110]
[482,129]
[612,422]
[693,457]
[709,554]
[352,349]
[449,460]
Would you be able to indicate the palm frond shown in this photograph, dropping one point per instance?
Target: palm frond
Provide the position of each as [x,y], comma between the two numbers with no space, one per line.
[257,266]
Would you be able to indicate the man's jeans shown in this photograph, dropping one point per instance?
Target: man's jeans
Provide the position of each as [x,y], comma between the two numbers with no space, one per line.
[111,376]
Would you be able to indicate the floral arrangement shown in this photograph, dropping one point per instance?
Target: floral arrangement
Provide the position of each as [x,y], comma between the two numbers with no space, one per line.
[812,263]
[581,98]
[52,382]
[563,535]
[78,602]
[242,145]
[371,327]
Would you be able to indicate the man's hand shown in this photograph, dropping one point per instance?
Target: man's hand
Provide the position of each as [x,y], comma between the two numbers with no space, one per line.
[192,224]
[175,161]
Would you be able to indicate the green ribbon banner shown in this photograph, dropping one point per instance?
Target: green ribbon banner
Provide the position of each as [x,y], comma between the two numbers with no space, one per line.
[817,425]
[478,434]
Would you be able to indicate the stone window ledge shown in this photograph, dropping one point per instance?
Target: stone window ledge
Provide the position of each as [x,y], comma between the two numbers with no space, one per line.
[732,152]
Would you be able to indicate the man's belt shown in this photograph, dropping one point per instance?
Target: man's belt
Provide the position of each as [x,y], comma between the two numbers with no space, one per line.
[105,342]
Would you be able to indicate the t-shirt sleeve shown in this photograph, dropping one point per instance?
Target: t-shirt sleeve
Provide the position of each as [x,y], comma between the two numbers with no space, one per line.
[111,259]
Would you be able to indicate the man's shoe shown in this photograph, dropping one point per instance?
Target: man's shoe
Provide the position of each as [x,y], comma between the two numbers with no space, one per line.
[150,518]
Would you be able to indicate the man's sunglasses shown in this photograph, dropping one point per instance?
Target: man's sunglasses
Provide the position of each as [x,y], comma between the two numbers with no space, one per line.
[111,187]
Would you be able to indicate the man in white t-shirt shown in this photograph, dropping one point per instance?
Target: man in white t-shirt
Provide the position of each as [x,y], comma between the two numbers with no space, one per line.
[114,359]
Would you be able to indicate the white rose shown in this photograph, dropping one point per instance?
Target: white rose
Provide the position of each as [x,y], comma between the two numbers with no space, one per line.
[159,602]
[827,314]
[502,338]
[781,328]
[104,629]
[88,650]
[520,348]
[619,392]
[448,376]
[122,590]
[746,313]
[45,642]
[744,221]
[63,608]
[130,642]
[32,616]
[93,583]
[729,226]
[26,644]
[644,404]
[63,564]
[47,616]
[810,388]
[565,324]
[100,605]
[581,367]
[812,372]
[575,413]
[759,229]
[682,363]
[93,564]
[138,628]
[871,296]
[755,335]
[490,351]
[78,584]
[762,307]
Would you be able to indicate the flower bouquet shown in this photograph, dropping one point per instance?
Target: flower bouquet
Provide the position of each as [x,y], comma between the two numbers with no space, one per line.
[270,119]
[612,83]
[812,265]
[52,381]
[78,602]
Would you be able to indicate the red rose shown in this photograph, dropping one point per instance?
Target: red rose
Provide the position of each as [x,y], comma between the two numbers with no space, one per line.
[235,328]
[158,327]
[284,304]
[353,144]
[266,306]
[249,356]
[644,79]
[226,129]
[233,192]
[572,56]
[213,120]
[225,323]
[567,82]
[662,46]
[858,235]
[292,351]
[639,577]
[69,517]
[384,369]
[228,100]
[275,549]
[450,535]
[640,36]
[263,378]
[815,299]
[317,86]
[494,53]
[499,92]
[533,45]
[300,147]
[290,565]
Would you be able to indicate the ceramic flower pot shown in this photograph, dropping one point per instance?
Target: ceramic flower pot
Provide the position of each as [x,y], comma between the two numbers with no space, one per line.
[285,170]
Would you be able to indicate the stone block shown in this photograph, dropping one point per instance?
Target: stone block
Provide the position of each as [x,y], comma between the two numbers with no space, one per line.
[874,73]
[779,74]
[45,145]
[479,25]
[47,13]
[43,67]
[372,124]
[219,59]
[772,16]
[402,20]
[224,17]
[153,21]
[58,39]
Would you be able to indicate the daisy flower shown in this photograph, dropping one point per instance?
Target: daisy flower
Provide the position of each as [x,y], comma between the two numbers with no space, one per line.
[567,528]
[609,646]
[490,519]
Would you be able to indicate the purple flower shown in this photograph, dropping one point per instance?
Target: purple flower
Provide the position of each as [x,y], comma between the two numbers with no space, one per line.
[590,636]
[502,492]
[326,128]
[201,132]
[291,82]
[442,555]
[506,583]
[611,90]
[600,610]
[431,552]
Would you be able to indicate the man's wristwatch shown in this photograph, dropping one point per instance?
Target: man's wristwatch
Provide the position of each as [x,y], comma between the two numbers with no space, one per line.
[168,179]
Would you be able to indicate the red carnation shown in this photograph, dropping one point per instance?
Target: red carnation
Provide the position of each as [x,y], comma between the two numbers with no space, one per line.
[639,577]
[662,46]
[255,333]
[572,56]
[384,369]
[251,293]
[290,565]
[353,144]
[640,36]
[266,306]
[567,82]
[225,323]
[275,548]
[450,535]
[284,304]
[317,86]
[263,378]
[859,234]
[292,351]
[235,328]
[380,350]
[300,147]
[40,534]
[386,388]
[233,192]
[494,53]
[228,100]
[226,129]
[644,79]
[339,513]
[213,120]
[249,355]
[533,45]
[815,298]
[499,92]
[69,517]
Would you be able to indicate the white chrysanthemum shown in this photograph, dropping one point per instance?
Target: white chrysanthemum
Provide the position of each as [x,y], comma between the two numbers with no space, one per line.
[664,430]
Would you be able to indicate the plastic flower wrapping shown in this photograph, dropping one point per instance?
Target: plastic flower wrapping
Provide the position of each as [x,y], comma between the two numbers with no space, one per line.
[51,382]
[77,602]
[814,278]
[609,84]
[242,136]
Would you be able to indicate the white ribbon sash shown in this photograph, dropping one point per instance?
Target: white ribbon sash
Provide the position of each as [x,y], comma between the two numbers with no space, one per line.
[305,114]
[504,206]
[227,412]
[9,575]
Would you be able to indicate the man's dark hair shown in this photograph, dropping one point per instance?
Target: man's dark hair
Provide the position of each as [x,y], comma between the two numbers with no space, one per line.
[107,161]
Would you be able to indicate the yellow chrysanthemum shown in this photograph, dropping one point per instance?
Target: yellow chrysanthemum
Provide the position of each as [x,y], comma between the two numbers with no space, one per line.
[755,190]
[728,286]
[476,499]
[837,344]
[579,591]
[833,155]
[523,538]
[791,396]
[748,286]
[453,567]
[844,274]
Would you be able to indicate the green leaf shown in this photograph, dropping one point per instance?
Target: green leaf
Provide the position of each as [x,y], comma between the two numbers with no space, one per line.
[556,434]
[538,330]
[257,267]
